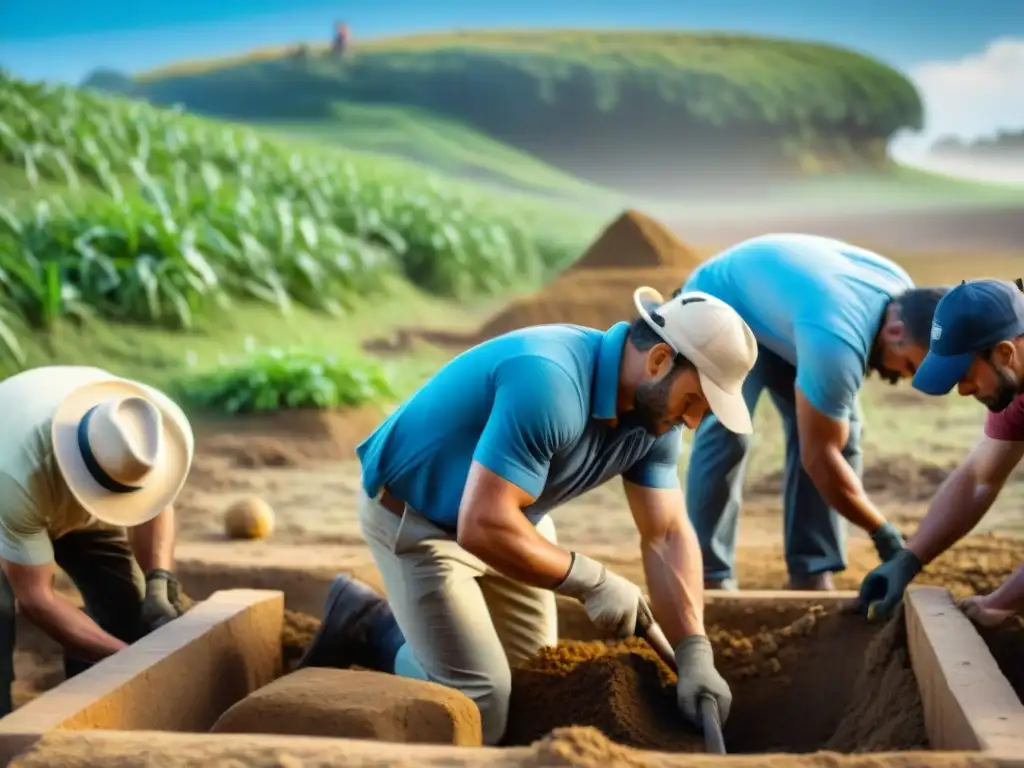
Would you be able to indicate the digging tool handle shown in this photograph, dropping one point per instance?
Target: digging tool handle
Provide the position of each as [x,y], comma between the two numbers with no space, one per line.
[710,719]
[713,739]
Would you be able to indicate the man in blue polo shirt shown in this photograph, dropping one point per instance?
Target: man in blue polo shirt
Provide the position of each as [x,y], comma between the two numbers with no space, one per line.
[825,314]
[977,346]
[459,481]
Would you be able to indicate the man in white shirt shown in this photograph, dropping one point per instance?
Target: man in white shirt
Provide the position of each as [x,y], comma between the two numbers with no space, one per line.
[90,465]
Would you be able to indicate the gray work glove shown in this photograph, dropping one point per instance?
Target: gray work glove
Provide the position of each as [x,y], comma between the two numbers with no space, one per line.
[163,600]
[695,661]
[888,542]
[883,588]
[613,604]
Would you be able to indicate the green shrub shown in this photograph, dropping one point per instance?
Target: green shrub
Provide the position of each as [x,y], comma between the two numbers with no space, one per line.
[277,379]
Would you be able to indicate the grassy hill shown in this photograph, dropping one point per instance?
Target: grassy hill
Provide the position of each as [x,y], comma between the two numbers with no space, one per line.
[619,108]
[159,231]
[444,145]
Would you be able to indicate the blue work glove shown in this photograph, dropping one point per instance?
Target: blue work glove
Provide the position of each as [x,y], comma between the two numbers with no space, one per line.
[888,541]
[695,662]
[883,588]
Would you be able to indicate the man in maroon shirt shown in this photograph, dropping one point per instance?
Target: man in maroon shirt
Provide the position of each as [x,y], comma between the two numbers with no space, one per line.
[977,345]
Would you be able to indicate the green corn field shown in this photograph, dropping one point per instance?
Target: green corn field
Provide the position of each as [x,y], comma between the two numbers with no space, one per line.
[161,216]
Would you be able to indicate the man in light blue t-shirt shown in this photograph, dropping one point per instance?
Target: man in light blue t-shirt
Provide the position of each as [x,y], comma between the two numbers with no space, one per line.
[825,314]
[459,481]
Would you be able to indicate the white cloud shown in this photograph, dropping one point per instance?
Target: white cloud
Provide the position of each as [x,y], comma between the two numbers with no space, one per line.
[973,96]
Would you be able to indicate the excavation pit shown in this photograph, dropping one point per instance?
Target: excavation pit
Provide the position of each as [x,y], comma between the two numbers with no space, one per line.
[794,660]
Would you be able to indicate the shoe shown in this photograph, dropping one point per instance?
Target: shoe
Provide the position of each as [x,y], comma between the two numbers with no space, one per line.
[813,582]
[358,629]
[727,584]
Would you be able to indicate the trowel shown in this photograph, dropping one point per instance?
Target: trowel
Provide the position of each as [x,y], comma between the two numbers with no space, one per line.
[710,718]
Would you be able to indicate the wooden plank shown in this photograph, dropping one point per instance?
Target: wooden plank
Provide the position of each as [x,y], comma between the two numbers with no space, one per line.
[179,678]
[968,703]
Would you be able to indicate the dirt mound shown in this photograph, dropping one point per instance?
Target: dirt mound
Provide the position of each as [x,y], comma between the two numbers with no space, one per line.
[287,438]
[1006,642]
[593,298]
[358,705]
[899,477]
[635,240]
[623,690]
[886,711]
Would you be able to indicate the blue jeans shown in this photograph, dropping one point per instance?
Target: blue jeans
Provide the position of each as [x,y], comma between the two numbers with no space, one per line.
[815,535]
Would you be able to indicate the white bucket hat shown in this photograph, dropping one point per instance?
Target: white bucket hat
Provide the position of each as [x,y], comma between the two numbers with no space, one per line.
[711,335]
[124,449]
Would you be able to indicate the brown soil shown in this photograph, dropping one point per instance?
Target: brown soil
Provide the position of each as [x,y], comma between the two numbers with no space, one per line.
[900,477]
[1006,642]
[287,438]
[580,747]
[885,711]
[296,635]
[790,695]
[635,240]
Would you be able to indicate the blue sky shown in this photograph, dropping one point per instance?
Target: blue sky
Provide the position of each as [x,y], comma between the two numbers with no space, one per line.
[65,39]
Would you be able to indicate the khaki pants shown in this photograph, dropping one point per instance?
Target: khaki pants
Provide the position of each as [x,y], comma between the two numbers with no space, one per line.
[464,622]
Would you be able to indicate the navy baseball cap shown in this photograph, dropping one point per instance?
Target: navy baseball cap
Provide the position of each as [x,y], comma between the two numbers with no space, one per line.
[969,319]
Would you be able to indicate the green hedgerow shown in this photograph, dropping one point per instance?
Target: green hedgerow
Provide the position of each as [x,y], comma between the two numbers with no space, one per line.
[278,379]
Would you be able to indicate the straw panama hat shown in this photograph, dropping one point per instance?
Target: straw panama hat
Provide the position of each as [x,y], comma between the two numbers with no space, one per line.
[124,449]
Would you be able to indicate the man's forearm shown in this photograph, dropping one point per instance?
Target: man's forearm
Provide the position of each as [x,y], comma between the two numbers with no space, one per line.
[153,542]
[957,507]
[675,578]
[515,549]
[1010,595]
[73,629]
[839,485]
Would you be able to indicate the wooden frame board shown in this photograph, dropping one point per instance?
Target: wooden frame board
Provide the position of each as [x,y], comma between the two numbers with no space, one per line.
[972,715]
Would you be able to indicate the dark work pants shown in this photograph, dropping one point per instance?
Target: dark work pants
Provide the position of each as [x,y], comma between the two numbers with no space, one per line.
[101,565]
[815,535]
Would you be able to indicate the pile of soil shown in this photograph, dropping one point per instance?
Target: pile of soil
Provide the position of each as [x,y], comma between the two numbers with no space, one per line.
[904,478]
[1006,643]
[635,240]
[885,712]
[597,290]
[623,690]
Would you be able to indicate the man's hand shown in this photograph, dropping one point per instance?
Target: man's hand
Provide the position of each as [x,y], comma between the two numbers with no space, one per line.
[163,600]
[615,605]
[888,541]
[883,588]
[979,610]
[697,676]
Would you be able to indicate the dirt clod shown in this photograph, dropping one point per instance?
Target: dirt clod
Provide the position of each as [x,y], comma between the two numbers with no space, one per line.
[353,704]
